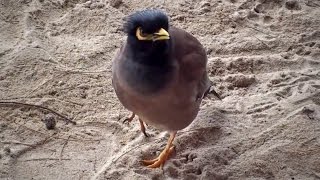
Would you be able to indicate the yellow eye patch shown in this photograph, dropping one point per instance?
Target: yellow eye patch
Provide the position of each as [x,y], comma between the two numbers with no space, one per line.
[160,35]
[143,36]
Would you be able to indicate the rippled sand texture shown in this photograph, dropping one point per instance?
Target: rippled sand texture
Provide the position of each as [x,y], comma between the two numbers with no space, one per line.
[264,58]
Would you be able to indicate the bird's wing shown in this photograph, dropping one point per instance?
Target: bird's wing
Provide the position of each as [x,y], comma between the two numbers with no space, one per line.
[192,60]
[115,67]
[116,60]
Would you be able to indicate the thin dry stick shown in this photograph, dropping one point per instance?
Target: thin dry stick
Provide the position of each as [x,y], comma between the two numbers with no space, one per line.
[33,130]
[81,72]
[21,125]
[254,28]
[45,159]
[38,144]
[24,144]
[256,36]
[64,144]
[69,138]
[257,30]
[15,98]
[16,142]
[262,42]
[43,83]
[43,98]
[8,103]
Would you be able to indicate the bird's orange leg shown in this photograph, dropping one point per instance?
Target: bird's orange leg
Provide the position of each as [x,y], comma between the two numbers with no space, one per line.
[161,159]
[143,129]
[129,119]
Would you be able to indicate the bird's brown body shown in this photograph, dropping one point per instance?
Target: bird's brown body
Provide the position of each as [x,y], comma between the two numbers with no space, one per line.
[160,75]
[176,104]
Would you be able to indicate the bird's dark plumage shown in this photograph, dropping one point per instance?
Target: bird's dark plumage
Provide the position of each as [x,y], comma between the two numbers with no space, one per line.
[150,20]
[160,74]
[149,67]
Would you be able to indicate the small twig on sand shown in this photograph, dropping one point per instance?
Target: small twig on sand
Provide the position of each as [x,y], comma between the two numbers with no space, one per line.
[36,145]
[63,146]
[262,42]
[56,137]
[16,142]
[81,72]
[46,159]
[8,103]
[43,98]
[254,28]
[43,83]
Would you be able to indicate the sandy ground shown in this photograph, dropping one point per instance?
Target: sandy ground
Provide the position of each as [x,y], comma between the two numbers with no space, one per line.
[263,57]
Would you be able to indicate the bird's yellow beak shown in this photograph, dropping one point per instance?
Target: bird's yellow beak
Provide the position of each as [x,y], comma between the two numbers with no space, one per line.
[161,35]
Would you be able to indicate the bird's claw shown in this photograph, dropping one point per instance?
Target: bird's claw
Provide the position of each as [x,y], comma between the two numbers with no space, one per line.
[143,129]
[129,119]
[145,134]
[160,160]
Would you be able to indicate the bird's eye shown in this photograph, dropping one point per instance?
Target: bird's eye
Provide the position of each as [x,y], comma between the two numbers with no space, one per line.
[142,33]
[142,36]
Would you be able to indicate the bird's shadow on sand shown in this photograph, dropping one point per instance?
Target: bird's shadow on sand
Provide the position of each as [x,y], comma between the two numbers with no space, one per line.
[190,144]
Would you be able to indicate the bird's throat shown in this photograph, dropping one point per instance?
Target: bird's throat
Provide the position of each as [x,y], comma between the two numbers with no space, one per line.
[147,71]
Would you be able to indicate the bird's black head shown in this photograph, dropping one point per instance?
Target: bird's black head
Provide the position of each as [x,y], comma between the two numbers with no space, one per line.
[148,25]
[147,55]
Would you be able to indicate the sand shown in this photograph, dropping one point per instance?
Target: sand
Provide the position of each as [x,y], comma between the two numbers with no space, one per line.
[264,59]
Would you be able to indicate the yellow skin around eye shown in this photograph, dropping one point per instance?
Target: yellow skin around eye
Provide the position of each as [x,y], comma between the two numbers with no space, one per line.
[160,35]
[142,36]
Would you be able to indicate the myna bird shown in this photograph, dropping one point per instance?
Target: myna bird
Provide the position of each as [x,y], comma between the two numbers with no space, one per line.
[160,75]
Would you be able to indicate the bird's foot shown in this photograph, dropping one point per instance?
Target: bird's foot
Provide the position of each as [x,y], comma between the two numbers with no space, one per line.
[160,160]
[129,119]
[143,129]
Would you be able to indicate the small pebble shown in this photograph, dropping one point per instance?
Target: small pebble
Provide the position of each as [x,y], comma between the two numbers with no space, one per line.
[293,5]
[7,150]
[115,3]
[49,121]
